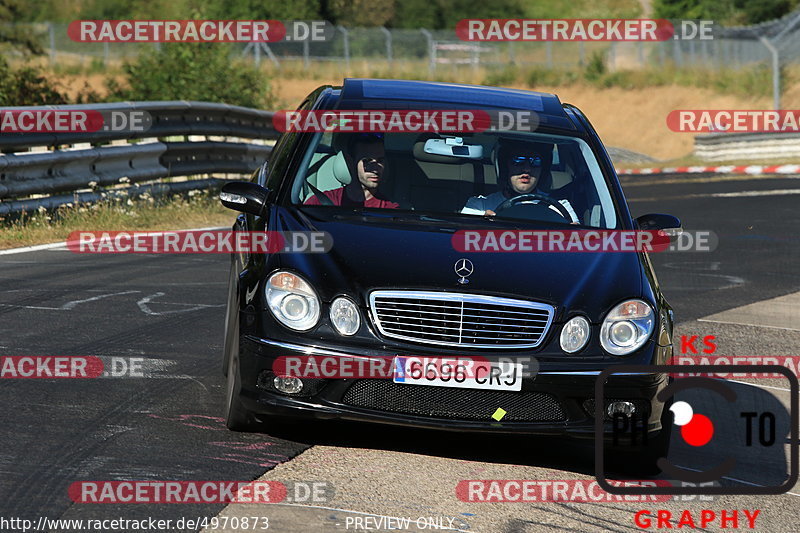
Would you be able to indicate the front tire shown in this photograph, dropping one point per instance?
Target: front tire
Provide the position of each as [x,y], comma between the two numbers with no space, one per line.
[231,309]
[237,416]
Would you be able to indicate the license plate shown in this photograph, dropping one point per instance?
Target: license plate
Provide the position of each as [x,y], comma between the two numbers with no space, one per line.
[458,373]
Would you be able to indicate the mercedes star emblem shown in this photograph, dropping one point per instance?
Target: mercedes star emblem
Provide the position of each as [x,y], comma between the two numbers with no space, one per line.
[464,269]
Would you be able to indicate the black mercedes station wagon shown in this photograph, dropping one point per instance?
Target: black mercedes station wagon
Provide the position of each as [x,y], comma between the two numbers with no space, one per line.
[393,286]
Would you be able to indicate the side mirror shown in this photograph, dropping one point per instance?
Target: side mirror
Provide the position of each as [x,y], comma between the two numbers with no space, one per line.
[669,224]
[245,197]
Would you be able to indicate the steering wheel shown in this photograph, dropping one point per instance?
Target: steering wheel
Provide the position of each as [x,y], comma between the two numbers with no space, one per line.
[522,198]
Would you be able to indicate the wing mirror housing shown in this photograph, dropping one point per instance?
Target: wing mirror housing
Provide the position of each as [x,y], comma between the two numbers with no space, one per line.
[245,197]
[670,225]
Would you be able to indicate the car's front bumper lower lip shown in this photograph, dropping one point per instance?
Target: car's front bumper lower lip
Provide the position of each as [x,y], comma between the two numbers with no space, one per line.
[570,387]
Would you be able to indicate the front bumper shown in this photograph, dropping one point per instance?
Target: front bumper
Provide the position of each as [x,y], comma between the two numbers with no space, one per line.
[329,400]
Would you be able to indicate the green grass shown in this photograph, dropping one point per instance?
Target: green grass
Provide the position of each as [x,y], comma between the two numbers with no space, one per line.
[751,82]
[583,9]
[201,209]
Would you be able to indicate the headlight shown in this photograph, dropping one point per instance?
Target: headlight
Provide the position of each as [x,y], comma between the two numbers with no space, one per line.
[344,316]
[575,334]
[627,327]
[292,301]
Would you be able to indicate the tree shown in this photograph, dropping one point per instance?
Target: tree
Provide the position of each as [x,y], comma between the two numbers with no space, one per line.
[26,86]
[17,35]
[361,13]
[728,12]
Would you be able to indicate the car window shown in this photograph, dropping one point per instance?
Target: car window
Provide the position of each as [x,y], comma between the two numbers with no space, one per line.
[532,176]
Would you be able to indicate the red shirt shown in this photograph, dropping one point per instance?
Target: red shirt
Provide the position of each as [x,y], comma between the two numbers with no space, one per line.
[338,197]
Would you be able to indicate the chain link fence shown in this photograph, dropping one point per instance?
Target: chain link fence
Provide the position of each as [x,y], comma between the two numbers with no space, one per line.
[775,43]
[734,47]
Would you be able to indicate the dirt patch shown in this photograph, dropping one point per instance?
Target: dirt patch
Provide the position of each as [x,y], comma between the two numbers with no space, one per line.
[289,93]
[74,85]
[636,119]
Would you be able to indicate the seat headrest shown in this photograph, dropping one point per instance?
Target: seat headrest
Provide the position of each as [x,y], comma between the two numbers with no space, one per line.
[337,167]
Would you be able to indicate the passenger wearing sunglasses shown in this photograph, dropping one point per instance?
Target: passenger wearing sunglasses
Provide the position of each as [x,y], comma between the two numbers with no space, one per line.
[367,163]
[521,168]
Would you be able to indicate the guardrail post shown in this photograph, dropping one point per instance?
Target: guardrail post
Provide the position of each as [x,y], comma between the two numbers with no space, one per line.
[305,54]
[346,37]
[611,60]
[52,31]
[724,53]
[388,35]
[776,73]
[776,65]
[431,51]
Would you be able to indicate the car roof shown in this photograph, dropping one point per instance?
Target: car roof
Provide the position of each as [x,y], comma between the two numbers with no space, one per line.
[357,93]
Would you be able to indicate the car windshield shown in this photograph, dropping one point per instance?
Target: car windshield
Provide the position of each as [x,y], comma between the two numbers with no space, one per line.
[521,176]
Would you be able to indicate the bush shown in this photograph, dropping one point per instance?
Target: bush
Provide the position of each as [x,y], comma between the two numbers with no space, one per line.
[501,77]
[192,71]
[539,76]
[595,68]
[27,86]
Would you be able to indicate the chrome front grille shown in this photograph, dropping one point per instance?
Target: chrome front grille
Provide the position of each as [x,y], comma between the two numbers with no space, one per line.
[462,320]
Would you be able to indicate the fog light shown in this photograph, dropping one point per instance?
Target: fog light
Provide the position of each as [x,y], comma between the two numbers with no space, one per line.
[288,385]
[344,316]
[622,408]
[575,334]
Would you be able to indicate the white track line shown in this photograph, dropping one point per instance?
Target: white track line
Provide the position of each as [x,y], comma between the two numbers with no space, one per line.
[36,248]
[758,385]
[746,324]
[737,480]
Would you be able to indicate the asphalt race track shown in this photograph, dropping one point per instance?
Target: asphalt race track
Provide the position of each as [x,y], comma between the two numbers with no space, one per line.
[163,423]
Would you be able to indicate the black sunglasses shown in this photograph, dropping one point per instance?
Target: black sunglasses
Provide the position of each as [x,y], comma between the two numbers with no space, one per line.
[534,160]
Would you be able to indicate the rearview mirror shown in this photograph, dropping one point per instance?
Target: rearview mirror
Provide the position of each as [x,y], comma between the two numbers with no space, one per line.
[670,225]
[453,147]
[245,197]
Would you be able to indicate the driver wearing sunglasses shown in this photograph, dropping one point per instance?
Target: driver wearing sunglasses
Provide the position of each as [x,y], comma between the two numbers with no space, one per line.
[521,170]
[367,162]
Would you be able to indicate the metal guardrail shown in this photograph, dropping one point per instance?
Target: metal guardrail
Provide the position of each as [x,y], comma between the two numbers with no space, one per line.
[746,146]
[65,168]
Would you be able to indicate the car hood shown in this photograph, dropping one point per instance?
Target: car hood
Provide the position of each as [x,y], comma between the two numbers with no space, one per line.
[375,253]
